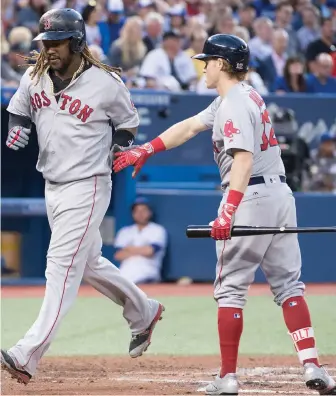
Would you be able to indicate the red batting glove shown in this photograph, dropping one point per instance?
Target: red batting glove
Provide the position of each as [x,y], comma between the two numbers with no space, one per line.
[137,156]
[222,226]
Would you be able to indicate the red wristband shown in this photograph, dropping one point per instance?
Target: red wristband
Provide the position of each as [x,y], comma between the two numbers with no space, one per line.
[234,197]
[158,145]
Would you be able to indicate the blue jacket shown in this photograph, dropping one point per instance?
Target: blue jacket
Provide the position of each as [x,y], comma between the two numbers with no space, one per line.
[314,85]
[267,71]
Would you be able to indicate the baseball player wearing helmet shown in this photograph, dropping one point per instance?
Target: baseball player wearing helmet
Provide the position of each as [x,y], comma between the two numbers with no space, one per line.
[255,192]
[73,101]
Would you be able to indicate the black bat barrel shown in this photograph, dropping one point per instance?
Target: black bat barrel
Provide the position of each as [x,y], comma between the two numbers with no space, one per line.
[203,231]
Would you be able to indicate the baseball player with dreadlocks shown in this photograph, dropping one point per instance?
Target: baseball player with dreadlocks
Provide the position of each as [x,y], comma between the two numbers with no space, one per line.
[254,192]
[73,101]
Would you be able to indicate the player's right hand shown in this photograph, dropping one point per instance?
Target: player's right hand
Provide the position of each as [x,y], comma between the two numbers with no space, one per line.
[136,157]
[18,137]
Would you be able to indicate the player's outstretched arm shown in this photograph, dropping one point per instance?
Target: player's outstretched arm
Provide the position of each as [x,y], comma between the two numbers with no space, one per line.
[181,132]
[174,136]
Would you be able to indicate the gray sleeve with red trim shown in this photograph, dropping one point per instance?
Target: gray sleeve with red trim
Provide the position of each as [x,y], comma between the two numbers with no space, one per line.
[20,101]
[120,108]
[207,116]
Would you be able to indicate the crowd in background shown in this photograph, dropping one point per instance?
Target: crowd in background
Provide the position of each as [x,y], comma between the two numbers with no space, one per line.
[293,43]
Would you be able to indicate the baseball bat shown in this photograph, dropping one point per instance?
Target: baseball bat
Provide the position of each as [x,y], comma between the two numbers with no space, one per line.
[203,231]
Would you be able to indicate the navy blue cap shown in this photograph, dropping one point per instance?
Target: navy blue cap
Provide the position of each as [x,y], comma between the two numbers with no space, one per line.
[327,136]
[141,201]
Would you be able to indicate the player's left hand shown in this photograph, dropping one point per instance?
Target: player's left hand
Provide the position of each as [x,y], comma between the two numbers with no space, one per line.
[133,156]
[222,226]
[18,137]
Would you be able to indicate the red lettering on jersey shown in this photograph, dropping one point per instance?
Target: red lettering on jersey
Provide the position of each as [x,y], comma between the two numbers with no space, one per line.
[66,99]
[265,117]
[257,99]
[46,102]
[85,113]
[38,100]
[215,148]
[230,130]
[32,102]
[270,141]
[74,107]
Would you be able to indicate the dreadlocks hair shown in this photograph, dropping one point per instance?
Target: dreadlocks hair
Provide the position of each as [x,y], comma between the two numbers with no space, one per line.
[40,63]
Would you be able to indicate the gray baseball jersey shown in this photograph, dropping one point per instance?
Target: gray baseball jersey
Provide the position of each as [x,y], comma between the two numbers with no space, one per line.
[241,121]
[75,138]
[74,134]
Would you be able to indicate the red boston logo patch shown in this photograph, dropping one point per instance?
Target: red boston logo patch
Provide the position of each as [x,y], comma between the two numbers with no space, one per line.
[47,24]
[230,130]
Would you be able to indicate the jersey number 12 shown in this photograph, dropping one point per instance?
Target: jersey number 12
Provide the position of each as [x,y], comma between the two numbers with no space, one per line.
[270,141]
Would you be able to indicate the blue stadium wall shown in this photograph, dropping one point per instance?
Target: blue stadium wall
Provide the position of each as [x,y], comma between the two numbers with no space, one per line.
[176,204]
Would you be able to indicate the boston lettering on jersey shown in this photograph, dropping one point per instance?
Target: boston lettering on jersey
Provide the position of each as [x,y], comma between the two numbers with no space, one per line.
[74,106]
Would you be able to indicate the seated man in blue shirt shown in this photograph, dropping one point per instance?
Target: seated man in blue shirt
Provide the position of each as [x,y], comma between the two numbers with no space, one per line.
[141,247]
[322,81]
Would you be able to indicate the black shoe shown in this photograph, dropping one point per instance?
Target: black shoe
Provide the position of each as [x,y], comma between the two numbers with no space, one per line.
[140,342]
[7,363]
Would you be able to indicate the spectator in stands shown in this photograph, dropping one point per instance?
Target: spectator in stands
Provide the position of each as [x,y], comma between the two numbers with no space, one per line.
[323,165]
[310,31]
[260,44]
[325,7]
[196,47]
[129,50]
[293,79]
[145,7]
[115,19]
[325,44]
[168,67]
[13,63]
[247,14]
[242,32]
[272,66]
[91,16]
[299,6]
[235,5]
[141,247]
[20,36]
[225,23]
[9,77]
[29,15]
[8,13]
[254,79]
[19,45]
[98,53]
[176,19]
[75,4]
[207,14]
[153,31]
[283,20]
[322,81]
[131,7]
[265,8]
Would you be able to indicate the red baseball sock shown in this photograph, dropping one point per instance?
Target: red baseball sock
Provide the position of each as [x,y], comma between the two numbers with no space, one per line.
[230,328]
[297,319]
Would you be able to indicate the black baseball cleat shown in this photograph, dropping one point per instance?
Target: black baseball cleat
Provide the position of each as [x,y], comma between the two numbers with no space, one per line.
[7,363]
[140,342]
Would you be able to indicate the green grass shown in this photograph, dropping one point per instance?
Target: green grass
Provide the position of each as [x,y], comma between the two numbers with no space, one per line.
[95,326]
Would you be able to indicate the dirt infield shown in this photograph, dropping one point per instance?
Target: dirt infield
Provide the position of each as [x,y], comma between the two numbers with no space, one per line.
[159,375]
